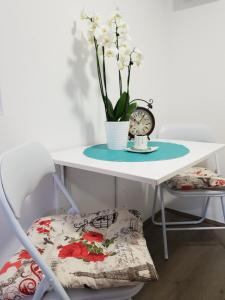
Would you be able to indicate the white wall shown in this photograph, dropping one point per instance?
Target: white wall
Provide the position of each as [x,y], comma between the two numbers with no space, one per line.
[196,75]
[50,92]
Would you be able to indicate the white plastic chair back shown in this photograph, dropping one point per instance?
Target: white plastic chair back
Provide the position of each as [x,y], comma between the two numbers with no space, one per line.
[21,171]
[188,132]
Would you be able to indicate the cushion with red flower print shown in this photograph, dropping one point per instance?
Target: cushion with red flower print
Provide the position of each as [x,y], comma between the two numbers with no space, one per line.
[99,250]
[19,276]
[196,178]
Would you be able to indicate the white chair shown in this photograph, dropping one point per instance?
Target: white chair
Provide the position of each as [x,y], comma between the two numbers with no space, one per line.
[20,173]
[192,132]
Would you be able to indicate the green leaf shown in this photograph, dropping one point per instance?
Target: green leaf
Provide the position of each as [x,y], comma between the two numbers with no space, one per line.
[108,242]
[109,110]
[112,253]
[73,240]
[121,106]
[131,108]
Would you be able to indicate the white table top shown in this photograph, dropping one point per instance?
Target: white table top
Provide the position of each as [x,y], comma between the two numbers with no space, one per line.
[152,172]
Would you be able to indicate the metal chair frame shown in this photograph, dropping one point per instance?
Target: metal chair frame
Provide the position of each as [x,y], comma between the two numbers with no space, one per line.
[49,281]
[205,194]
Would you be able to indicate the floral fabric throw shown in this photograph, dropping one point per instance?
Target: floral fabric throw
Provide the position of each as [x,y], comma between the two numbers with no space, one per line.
[105,249]
[196,178]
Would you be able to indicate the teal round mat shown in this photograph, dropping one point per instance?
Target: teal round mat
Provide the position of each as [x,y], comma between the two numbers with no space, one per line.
[166,151]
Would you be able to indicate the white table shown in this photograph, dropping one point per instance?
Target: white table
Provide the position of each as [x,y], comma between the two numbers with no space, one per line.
[151,172]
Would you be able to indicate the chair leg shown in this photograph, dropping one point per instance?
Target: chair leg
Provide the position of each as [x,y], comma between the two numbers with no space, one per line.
[163,224]
[223,208]
[41,289]
[199,221]
[204,210]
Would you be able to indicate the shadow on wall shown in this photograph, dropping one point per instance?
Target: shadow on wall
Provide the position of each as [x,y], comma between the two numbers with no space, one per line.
[77,86]
[184,4]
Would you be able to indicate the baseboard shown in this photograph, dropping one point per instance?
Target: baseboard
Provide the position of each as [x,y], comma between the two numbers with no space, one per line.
[182,214]
[193,217]
[148,222]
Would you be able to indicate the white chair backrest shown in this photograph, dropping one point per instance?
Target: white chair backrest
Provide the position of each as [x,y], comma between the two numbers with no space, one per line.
[21,170]
[191,132]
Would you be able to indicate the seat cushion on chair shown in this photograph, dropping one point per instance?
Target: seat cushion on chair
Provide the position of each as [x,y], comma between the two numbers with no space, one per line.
[100,250]
[196,178]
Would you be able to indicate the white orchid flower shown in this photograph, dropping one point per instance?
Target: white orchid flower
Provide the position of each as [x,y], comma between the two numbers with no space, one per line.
[83,15]
[116,16]
[137,56]
[90,37]
[104,36]
[124,61]
[125,51]
[111,52]
[92,27]
[95,19]
[123,29]
[121,66]
[123,45]
[100,52]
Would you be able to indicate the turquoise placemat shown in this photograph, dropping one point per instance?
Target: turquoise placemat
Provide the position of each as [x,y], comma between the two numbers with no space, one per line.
[166,151]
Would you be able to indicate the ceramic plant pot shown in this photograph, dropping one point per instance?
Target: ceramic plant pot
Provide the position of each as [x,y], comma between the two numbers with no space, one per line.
[117,134]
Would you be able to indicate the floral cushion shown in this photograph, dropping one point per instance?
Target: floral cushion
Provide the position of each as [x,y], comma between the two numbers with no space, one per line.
[105,249]
[196,178]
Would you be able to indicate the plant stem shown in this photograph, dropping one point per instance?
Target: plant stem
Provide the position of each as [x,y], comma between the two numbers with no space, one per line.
[104,72]
[129,71]
[99,71]
[128,79]
[118,57]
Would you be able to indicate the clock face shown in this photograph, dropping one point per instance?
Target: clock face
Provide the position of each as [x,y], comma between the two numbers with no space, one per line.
[141,122]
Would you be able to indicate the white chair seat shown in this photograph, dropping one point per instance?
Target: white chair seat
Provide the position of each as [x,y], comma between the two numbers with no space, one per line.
[197,179]
[197,182]
[196,192]
[104,294]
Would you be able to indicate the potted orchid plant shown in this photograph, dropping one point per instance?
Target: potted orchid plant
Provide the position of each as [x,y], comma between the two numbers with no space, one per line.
[111,41]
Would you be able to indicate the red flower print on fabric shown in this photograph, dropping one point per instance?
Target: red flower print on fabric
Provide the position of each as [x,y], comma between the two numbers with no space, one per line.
[42,230]
[43,225]
[96,257]
[24,255]
[45,222]
[186,187]
[220,182]
[16,264]
[92,236]
[41,250]
[78,250]
[82,250]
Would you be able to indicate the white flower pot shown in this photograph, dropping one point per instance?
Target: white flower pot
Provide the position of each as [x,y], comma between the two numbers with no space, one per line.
[117,134]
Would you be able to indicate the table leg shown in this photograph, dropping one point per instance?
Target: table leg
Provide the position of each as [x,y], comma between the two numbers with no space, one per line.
[115,192]
[61,170]
[62,174]
[56,197]
[163,223]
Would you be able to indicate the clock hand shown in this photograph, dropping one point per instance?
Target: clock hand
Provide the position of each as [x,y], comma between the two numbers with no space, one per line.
[142,117]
